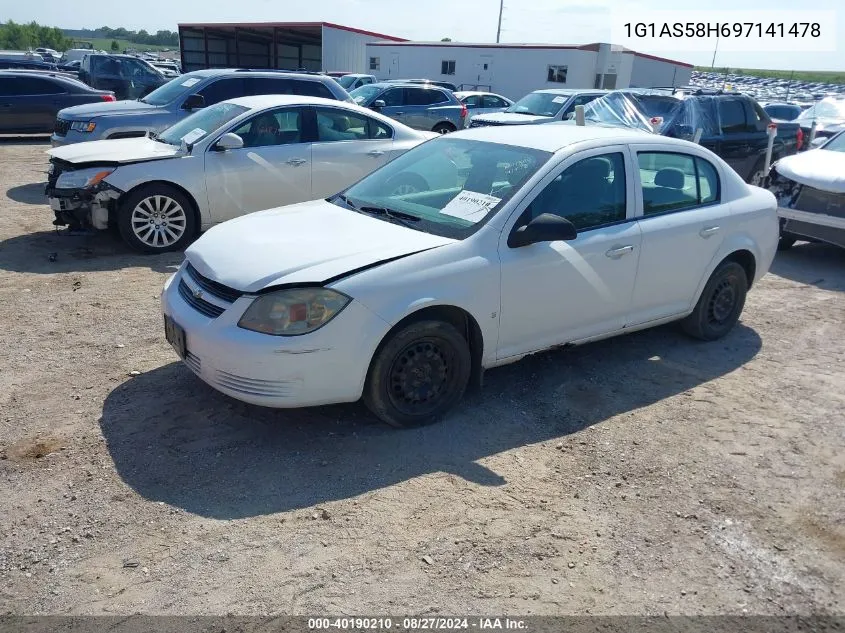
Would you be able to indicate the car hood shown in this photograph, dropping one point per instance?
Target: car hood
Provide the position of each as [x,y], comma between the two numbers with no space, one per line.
[90,110]
[310,242]
[817,168]
[124,150]
[512,118]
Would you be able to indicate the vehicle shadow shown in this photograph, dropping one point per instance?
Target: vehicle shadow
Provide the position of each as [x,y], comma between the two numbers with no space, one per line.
[815,264]
[175,440]
[25,139]
[32,193]
[48,252]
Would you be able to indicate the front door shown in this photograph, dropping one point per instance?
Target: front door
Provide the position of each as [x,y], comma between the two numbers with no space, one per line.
[394,104]
[272,169]
[683,226]
[348,147]
[557,292]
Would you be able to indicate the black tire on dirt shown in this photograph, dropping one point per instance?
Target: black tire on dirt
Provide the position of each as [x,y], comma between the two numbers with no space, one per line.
[156,218]
[418,374]
[720,304]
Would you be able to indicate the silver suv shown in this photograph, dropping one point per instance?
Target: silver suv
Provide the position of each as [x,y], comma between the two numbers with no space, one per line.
[180,97]
[422,107]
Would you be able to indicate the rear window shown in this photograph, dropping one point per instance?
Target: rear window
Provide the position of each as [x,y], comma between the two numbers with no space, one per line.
[424,96]
[732,115]
[38,86]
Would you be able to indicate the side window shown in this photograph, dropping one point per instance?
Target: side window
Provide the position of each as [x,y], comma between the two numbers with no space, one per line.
[37,86]
[392,97]
[267,86]
[732,116]
[424,96]
[341,125]
[10,86]
[311,89]
[589,193]
[474,101]
[673,182]
[223,89]
[489,101]
[282,127]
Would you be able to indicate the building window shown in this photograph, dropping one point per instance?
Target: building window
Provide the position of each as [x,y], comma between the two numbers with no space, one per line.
[557,74]
[375,63]
[447,67]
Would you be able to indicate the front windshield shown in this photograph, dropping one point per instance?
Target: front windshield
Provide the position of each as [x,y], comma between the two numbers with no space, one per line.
[539,103]
[173,89]
[200,124]
[836,143]
[347,80]
[363,94]
[824,109]
[447,186]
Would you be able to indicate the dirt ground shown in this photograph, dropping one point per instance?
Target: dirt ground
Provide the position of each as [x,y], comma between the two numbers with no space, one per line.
[648,474]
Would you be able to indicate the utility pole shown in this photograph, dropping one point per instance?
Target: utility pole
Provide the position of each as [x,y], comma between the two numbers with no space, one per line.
[713,63]
[789,85]
[499,29]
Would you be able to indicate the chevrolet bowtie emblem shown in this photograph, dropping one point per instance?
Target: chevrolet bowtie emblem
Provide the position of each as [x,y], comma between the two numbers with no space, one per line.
[197,293]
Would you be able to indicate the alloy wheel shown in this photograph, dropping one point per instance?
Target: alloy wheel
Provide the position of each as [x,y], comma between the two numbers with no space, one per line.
[158,221]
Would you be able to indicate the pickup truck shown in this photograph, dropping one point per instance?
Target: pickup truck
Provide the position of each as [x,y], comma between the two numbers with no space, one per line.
[733,125]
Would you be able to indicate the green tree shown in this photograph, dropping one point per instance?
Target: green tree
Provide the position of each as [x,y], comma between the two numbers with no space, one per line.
[446,39]
[115,46]
[25,36]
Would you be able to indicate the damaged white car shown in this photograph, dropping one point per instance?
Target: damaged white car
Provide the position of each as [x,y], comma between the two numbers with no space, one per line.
[232,158]
[810,189]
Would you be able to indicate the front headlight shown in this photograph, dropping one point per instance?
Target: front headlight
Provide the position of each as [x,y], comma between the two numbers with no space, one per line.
[83,178]
[83,126]
[293,312]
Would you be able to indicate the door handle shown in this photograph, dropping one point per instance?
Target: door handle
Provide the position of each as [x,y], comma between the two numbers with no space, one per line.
[619,251]
[296,162]
[708,231]
[398,113]
[375,153]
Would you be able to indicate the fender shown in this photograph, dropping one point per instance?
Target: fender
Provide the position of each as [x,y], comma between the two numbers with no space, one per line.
[733,243]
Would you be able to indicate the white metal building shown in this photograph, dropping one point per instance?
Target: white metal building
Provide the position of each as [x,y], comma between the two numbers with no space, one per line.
[514,70]
[285,45]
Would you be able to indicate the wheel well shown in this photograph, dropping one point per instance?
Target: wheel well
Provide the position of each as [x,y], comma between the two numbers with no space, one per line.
[444,124]
[461,320]
[746,260]
[194,207]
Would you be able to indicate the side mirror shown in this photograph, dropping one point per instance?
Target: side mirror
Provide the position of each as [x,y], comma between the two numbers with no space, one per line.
[378,104]
[544,228]
[228,141]
[194,102]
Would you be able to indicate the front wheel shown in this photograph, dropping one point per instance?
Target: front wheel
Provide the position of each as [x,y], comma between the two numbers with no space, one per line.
[156,218]
[720,304]
[418,374]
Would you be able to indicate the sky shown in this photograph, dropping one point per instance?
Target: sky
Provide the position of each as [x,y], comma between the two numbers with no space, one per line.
[524,21]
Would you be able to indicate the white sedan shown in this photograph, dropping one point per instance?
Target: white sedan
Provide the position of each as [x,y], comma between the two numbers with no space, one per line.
[228,159]
[523,239]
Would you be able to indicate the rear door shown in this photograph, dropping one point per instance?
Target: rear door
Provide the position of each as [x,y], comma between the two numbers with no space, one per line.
[348,147]
[425,107]
[12,109]
[272,169]
[38,101]
[737,145]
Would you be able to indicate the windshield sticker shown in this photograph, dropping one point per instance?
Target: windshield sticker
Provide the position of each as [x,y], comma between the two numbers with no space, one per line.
[559,100]
[194,135]
[190,82]
[470,205]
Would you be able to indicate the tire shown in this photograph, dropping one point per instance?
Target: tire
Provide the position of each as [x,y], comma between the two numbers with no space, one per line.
[418,374]
[720,303]
[785,243]
[757,177]
[138,211]
[407,182]
[443,128]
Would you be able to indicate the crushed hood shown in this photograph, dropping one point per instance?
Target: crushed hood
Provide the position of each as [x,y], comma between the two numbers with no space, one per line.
[91,110]
[817,168]
[124,150]
[310,242]
[512,118]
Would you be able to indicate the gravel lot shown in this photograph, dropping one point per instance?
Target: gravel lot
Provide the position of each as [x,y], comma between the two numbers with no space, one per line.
[641,475]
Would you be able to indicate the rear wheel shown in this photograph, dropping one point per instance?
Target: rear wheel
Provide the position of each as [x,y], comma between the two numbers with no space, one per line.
[418,374]
[156,218]
[443,128]
[720,304]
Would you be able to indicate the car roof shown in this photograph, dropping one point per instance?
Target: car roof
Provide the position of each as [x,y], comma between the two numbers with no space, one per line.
[551,137]
[259,102]
[214,72]
[408,84]
[472,93]
[570,91]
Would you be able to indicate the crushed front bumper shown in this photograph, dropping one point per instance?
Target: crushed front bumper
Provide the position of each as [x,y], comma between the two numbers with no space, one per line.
[80,209]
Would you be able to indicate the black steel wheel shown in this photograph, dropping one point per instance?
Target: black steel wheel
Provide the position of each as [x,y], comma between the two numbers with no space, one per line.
[418,374]
[720,304]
